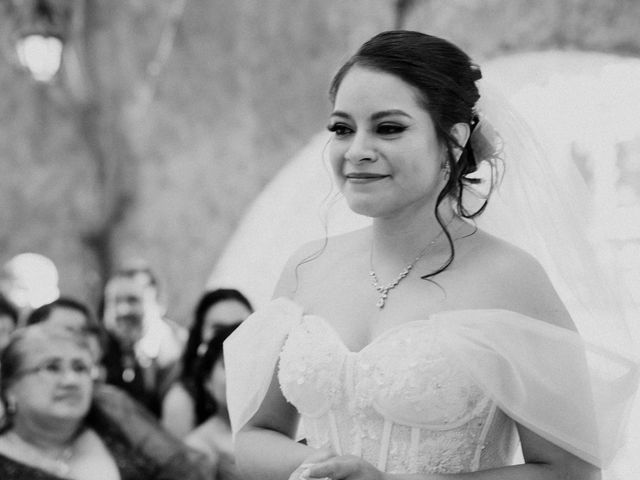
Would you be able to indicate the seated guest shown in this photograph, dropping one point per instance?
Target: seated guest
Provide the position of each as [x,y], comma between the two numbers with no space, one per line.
[215,309]
[8,320]
[141,355]
[71,313]
[56,425]
[213,437]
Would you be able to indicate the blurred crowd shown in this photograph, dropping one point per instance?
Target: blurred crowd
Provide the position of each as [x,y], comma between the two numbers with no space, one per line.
[117,385]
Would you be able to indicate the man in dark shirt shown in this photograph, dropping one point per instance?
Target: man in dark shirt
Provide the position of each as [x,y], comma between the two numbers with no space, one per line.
[142,350]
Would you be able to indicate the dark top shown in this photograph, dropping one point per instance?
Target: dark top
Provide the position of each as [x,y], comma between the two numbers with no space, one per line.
[147,383]
[139,446]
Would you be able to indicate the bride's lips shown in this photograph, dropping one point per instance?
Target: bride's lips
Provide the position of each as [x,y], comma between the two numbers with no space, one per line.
[364,177]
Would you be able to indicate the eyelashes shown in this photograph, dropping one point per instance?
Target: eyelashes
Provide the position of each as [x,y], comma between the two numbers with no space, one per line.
[390,129]
[384,129]
[339,129]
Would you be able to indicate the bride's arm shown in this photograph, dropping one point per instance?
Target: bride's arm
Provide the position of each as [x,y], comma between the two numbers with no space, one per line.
[264,447]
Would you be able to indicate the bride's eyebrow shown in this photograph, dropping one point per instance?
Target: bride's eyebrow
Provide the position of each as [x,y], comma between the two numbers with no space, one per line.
[375,116]
[389,113]
[341,114]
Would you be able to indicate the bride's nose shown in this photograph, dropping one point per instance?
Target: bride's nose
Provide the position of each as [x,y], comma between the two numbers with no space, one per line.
[361,149]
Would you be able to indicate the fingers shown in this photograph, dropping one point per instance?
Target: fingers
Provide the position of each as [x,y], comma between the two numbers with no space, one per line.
[334,468]
[301,473]
[305,474]
[320,455]
[344,467]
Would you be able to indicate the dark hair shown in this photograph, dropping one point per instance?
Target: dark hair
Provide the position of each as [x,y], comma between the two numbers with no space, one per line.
[7,308]
[91,326]
[205,404]
[11,360]
[43,312]
[444,78]
[13,356]
[190,355]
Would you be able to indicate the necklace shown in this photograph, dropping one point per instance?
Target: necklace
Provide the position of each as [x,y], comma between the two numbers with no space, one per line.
[384,290]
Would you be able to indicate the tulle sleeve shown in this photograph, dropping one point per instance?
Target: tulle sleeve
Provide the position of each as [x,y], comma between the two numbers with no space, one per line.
[576,395]
[251,354]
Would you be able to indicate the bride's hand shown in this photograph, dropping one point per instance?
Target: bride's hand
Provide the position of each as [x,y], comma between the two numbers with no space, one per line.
[343,467]
[320,455]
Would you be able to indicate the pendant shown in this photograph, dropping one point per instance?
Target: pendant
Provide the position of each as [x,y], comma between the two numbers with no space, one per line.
[381,301]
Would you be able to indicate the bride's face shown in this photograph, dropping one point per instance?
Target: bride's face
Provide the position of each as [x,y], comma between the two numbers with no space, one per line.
[385,153]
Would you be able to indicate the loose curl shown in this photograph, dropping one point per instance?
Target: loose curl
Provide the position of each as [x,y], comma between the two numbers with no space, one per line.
[444,77]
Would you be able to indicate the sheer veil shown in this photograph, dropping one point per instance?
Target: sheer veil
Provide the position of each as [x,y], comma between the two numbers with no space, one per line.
[540,205]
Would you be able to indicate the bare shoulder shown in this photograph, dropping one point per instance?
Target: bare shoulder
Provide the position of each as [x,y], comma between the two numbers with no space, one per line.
[317,256]
[505,257]
[520,279]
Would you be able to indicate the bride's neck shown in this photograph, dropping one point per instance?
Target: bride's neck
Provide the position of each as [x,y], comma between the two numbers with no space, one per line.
[410,234]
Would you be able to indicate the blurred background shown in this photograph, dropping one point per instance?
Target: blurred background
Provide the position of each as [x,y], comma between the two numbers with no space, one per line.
[147,129]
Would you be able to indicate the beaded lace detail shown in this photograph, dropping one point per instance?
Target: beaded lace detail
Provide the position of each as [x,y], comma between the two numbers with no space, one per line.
[401,403]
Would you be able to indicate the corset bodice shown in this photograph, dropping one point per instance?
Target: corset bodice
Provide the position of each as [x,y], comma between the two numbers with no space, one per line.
[442,394]
[402,402]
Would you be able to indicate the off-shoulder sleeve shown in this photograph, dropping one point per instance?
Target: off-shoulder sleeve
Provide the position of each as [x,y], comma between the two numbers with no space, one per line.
[251,354]
[576,395]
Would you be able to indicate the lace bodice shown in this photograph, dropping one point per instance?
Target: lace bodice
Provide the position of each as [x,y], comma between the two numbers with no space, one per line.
[401,402]
[434,395]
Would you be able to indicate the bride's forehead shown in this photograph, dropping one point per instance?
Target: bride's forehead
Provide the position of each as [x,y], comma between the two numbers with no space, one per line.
[365,86]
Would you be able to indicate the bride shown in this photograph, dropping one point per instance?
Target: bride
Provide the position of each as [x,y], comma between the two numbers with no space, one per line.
[421,347]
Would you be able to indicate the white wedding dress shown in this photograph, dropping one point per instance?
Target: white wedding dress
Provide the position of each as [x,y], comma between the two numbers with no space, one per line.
[435,395]
[401,402]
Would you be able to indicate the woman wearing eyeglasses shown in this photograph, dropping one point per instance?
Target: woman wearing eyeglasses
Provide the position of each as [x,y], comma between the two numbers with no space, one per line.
[57,426]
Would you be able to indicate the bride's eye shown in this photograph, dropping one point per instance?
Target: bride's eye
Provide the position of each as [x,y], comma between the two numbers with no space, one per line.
[340,129]
[390,129]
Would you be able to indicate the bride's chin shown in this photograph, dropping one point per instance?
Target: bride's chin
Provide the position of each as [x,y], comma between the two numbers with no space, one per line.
[367,209]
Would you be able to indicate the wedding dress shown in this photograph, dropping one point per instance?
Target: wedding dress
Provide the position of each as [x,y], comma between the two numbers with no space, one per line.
[443,394]
[434,395]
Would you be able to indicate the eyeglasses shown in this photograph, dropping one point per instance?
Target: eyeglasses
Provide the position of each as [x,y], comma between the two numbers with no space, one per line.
[56,369]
